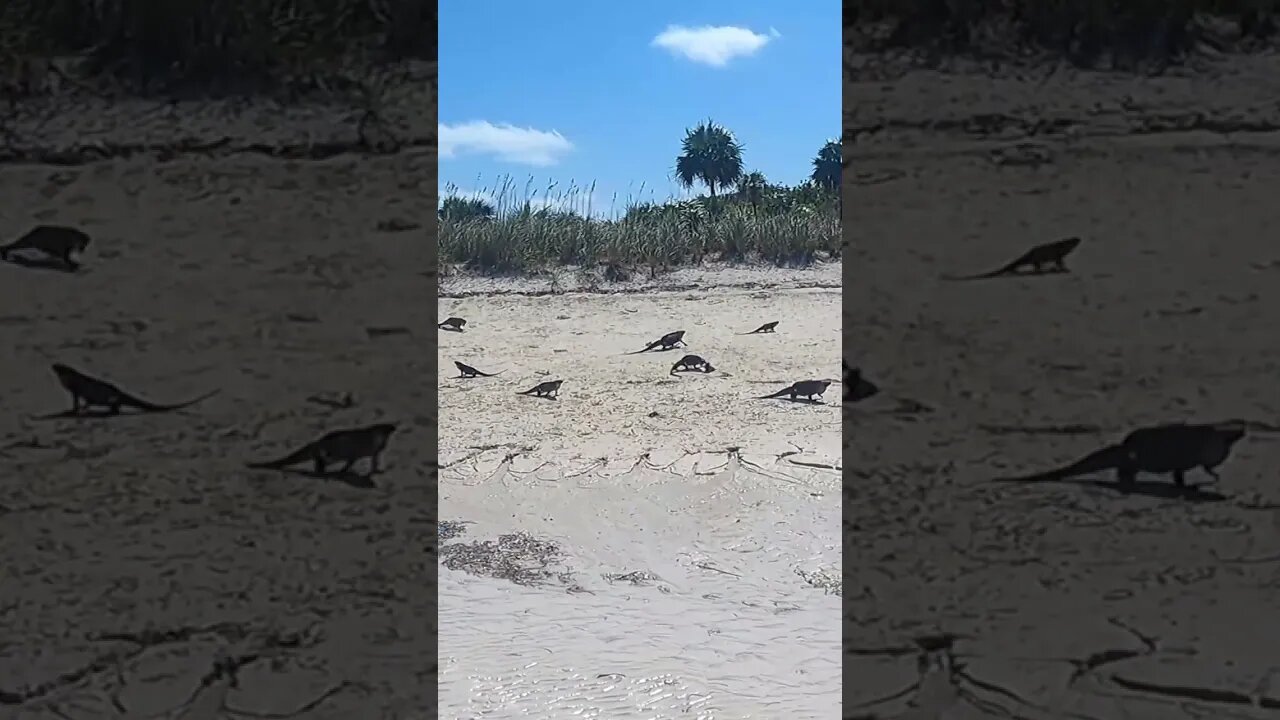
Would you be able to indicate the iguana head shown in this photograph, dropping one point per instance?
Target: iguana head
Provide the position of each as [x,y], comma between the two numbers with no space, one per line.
[1232,431]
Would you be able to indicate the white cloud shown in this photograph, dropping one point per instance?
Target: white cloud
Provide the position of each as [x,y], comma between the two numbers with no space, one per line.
[712,45]
[526,146]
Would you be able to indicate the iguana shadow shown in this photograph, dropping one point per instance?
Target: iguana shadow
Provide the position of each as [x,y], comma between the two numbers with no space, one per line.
[43,263]
[350,478]
[1154,489]
[1019,274]
[94,415]
[797,400]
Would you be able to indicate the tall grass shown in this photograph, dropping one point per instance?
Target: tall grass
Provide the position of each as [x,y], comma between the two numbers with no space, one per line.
[213,45]
[535,231]
[1081,31]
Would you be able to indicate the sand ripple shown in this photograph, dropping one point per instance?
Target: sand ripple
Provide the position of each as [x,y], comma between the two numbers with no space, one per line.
[691,596]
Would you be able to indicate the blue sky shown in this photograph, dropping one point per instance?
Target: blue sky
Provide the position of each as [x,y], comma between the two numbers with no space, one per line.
[572,93]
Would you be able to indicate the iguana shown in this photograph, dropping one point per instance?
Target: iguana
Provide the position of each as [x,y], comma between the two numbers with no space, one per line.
[692,362]
[666,342]
[56,241]
[1172,449]
[87,392]
[856,387]
[810,390]
[549,389]
[765,328]
[344,446]
[466,371]
[1049,254]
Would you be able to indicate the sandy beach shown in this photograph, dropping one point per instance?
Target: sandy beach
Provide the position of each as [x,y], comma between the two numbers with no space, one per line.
[142,560]
[649,546]
[968,599]
[646,546]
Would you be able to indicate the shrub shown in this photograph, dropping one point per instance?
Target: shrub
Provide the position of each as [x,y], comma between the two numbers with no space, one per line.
[1082,31]
[793,227]
[218,46]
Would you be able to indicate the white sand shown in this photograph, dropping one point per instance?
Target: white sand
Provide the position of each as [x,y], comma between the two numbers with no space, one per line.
[1078,601]
[630,471]
[251,276]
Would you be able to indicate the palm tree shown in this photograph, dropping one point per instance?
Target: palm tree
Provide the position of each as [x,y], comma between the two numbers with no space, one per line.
[709,154]
[826,166]
[461,209]
[752,186]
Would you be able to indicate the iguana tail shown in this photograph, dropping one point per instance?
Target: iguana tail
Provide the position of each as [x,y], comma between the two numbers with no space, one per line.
[1005,270]
[153,407]
[305,453]
[780,393]
[1108,458]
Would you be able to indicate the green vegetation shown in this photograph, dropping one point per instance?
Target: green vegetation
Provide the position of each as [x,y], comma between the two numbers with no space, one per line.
[709,155]
[742,219]
[1084,32]
[212,46]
